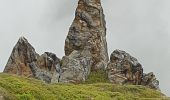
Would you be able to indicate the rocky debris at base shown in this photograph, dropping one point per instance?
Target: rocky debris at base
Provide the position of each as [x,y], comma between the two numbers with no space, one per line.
[46,68]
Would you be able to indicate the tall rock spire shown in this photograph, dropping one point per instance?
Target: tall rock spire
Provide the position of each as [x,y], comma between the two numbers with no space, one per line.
[88,31]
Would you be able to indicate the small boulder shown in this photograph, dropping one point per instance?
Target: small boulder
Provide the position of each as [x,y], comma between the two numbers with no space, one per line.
[75,67]
[150,80]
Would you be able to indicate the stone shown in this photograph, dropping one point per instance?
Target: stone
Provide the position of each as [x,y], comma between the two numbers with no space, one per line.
[75,67]
[88,30]
[22,54]
[150,80]
[24,61]
[46,68]
[125,69]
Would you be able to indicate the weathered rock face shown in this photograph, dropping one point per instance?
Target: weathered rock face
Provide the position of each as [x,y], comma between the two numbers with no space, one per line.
[22,54]
[125,69]
[24,61]
[46,68]
[76,67]
[150,80]
[88,31]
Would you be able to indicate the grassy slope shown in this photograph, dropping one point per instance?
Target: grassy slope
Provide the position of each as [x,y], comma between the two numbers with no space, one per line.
[20,88]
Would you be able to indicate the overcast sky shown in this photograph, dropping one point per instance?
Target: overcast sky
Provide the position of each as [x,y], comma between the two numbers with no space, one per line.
[140,27]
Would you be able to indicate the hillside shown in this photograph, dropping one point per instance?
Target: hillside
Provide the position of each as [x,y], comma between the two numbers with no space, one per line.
[21,88]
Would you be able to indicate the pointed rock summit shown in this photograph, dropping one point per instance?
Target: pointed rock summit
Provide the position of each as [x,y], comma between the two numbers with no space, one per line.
[88,31]
[22,54]
[24,61]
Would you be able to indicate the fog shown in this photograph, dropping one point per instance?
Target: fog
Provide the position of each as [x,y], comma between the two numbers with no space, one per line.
[140,27]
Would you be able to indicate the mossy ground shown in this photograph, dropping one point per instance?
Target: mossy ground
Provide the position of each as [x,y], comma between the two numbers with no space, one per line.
[21,88]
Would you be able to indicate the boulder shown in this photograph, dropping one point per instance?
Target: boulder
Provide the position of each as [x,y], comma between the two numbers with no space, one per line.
[150,80]
[75,67]
[46,68]
[125,69]
[88,30]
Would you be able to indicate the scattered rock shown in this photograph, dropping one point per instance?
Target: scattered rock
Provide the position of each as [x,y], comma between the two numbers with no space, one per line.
[88,30]
[125,69]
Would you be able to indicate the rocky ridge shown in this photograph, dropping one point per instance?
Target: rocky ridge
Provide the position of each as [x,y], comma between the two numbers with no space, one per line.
[85,52]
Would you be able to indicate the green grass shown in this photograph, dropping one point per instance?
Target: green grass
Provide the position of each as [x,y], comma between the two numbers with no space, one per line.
[21,88]
[99,76]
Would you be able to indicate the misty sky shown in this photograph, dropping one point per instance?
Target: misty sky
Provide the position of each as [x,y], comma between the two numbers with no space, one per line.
[140,27]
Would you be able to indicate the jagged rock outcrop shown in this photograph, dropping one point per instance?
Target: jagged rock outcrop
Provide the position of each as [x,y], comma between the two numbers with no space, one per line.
[125,69]
[22,54]
[24,61]
[46,68]
[88,30]
[76,67]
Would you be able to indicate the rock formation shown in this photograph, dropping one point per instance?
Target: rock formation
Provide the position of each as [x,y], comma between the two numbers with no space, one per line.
[85,51]
[125,69]
[46,68]
[76,67]
[88,30]
[150,81]
[24,61]
[22,54]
